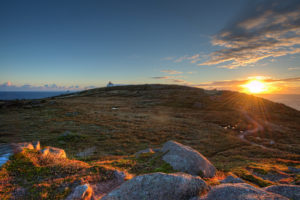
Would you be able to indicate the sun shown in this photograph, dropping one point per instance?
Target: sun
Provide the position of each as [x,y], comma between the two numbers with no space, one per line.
[255,86]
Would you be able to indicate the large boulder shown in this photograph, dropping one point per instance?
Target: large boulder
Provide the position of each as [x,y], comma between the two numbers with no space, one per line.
[53,151]
[81,192]
[159,186]
[186,159]
[289,191]
[240,191]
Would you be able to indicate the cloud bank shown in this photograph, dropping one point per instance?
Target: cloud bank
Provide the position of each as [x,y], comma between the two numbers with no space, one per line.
[8,86]
[270,28]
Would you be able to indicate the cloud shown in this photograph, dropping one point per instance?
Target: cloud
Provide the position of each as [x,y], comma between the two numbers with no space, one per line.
[171,72]
[269,29]
[168,58]
[8,86]
[192,59]
[293,68]
[174,79]
[161,77]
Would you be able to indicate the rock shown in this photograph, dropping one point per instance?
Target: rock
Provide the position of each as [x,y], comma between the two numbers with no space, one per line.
[52,151]
[100,189]
[186,159]
[87,152]
[232,179]
[52,102]
[149,150]
[36,145]
[6,151]
[159,186]
[71,114]
[198,105]
[70,136]
[19,193]
[81,192]
[289,191]
[19,147]
[240,191]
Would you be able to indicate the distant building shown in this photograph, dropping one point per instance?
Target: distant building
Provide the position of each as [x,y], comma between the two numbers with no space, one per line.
[110,84]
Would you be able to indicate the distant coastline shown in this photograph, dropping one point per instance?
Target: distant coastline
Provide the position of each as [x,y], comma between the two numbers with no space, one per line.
[14,95]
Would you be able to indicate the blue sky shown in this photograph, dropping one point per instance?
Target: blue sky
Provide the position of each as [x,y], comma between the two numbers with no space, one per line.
[58,45]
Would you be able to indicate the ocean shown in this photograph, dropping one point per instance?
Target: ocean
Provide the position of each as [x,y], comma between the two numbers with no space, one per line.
[10,95]
[291,100]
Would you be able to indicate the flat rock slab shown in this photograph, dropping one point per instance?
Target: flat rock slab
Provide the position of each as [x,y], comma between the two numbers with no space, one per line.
[240,191]
[185,159]
[159,186]
[289,191]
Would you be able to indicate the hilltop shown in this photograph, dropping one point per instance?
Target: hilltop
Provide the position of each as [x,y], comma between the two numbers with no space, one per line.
[254,138]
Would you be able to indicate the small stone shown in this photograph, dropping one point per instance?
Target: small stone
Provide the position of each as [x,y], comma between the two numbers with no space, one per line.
[149,150]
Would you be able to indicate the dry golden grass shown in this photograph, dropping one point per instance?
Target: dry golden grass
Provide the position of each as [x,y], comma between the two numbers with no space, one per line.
[149,115]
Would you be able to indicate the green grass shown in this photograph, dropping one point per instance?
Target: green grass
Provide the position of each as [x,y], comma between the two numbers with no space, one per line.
[145,163]
[47,178]
[246,175]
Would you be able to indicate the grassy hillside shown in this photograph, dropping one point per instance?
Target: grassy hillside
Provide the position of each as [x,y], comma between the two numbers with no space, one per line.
[112,123]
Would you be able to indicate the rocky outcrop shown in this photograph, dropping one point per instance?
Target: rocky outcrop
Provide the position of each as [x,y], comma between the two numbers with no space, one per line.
[159,186]
[81,192]
[18,147]
[186,159]
[53,151]
[289,191]
[232,179]
[240,191]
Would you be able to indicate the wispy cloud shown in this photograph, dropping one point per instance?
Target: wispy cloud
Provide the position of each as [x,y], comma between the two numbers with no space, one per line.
[168,58]
[161,77]
[270,29]
[171,72]
[193,59]
[174,79]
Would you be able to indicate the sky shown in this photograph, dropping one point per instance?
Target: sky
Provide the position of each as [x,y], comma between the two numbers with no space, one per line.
[73,45]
